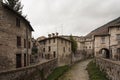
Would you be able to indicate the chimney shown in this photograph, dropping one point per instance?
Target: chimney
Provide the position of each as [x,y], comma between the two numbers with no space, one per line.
[49,35]
[57,33]
[53,35]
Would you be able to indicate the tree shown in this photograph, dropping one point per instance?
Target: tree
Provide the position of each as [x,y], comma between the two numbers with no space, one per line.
[15,5]
[74,44]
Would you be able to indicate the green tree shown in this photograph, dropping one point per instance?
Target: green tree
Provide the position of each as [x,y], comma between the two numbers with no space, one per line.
[74,44]
[15,5]
[34,50]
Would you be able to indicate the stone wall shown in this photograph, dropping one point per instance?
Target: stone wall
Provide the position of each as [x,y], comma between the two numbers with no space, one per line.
[111,68]
[9,32]
[36,72]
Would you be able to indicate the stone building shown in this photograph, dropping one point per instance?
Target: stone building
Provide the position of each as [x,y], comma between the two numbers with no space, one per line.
[89,47]
[101,45]
[114,32]
[15,39]
[106,40]
[35,56]
[84,46]
[56,47]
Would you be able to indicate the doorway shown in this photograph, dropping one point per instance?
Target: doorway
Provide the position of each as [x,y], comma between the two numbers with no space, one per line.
[105,53]
[18,61]
[25,59]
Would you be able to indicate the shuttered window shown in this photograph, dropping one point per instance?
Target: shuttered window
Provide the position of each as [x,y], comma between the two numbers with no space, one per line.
[18,41]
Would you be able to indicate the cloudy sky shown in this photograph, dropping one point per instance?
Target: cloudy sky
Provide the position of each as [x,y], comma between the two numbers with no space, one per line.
[77,17]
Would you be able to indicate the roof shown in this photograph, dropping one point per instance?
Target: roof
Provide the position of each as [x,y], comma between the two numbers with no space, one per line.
[102,35]
[54,38]
[28,23]
[115,25]
[103,29]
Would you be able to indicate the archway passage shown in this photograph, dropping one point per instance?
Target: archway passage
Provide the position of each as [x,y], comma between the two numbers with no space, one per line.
[105,53]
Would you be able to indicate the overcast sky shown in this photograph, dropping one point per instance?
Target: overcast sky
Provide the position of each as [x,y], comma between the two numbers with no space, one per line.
[77,17]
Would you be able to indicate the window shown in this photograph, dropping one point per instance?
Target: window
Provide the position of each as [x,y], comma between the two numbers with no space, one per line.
[18,41]
[18,60]
[44,42]
[53,40]
[49,49]
[69,49]
[118,28]
[43,49]
[118,50]
[102,40]
[24,43]
[17,22]
[89,47]
[49,41]
[63,49]
[118,36]
[29,45]
[25,60]
[54,54]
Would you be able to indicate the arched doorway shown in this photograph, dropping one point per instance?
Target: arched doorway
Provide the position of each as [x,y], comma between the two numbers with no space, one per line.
[105,53]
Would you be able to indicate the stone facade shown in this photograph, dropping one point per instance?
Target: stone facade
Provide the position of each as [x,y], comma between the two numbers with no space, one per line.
[108,45]
[56,47]
[15,39]
[114,32]
[101,43]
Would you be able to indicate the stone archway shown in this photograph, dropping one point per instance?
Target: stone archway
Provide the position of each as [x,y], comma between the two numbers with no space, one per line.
[105,53]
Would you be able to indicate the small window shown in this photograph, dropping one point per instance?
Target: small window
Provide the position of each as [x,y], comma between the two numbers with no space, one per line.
[69,49]
[29,45]
[49,41]
[118,36]
[118,50]
[24,43]
[63,49]
[118,28]
[49,49]
[43,49]
[54,40]
[44,42]
[103,40]
[54,54]
[89,47]
[17,22]
[18,41]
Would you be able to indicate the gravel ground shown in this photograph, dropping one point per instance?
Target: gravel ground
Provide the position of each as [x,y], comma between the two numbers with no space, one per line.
[77,72]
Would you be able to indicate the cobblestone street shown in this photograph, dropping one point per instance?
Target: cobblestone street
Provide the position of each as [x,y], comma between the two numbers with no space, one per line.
[77,72]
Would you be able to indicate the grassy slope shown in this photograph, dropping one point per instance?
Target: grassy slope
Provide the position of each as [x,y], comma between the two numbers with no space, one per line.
[95,73]
[57,72]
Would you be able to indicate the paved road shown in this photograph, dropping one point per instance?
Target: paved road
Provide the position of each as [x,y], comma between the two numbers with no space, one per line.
[77,72]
